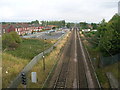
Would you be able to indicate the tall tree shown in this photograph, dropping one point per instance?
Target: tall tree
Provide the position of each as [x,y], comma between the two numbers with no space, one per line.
[94,25]
[84,25]
[111,37]
[35,22]
[108,36]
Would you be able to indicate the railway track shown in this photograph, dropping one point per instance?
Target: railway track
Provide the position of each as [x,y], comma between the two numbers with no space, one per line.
[82,75]
[62,77]
[82,80]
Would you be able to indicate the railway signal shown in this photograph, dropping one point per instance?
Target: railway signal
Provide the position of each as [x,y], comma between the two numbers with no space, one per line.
[24,80]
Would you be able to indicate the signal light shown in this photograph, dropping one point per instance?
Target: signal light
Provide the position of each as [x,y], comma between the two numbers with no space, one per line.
[24,81]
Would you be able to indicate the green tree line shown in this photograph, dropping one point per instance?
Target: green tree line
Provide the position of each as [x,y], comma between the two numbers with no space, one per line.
[58,23]
[108,36]
[84,25]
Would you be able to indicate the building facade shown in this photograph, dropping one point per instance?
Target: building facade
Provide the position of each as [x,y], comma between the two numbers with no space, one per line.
[24,28]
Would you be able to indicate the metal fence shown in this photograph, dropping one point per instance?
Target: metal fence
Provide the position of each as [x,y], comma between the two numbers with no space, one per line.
[109,60]
[30,65]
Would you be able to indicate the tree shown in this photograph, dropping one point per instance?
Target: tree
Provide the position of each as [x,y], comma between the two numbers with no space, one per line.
[68,25]
[10,40]
[94,25]
[108,36]
[57,23]
[63,23]
[111,37]
[35,22]
[44,23]
[84,25]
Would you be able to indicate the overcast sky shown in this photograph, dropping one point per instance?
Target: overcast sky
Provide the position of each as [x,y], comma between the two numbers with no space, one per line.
[69,10]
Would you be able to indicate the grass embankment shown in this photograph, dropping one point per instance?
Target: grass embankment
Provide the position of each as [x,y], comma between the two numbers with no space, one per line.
[14,60]
[50,60]
[29,48]
[11,66]
[101,71]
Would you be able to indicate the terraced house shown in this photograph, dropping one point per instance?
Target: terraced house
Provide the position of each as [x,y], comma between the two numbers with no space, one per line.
[21,28]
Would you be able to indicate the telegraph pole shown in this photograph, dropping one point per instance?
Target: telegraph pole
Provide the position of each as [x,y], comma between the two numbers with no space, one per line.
[44,55]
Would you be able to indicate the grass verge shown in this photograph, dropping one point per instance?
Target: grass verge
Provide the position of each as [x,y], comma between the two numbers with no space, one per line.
[11,66]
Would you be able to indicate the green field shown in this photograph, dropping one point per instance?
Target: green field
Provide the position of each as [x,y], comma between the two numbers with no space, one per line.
[29,48]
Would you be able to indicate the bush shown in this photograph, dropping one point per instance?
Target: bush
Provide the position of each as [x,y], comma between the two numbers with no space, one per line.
[16,37]
[13,45]
[10,40]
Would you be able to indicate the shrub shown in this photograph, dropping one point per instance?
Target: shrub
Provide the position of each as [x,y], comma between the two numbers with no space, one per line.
[10,40]
[16,37]
[13,45]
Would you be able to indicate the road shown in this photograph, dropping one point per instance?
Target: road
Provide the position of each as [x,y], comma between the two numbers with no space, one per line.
[74,69]
[46,35]
[53,35]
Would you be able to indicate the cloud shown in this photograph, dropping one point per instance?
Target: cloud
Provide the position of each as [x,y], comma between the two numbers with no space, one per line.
[70,10]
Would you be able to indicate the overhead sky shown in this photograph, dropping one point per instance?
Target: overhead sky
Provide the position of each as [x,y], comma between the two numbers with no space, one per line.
[69,10]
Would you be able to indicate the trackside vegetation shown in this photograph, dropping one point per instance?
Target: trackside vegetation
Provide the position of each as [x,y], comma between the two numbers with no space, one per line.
[11,66]
[50,60]
[10,40]
[108,36]
[105,42]
[17,53]
[29,48]
[23,48]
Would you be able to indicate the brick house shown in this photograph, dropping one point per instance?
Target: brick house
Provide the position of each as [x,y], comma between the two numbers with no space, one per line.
[20,28]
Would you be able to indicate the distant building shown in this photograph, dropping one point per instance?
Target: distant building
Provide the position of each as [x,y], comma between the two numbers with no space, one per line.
[49,27]
[21,28]
[86,30]
[94,30]
[119,8]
